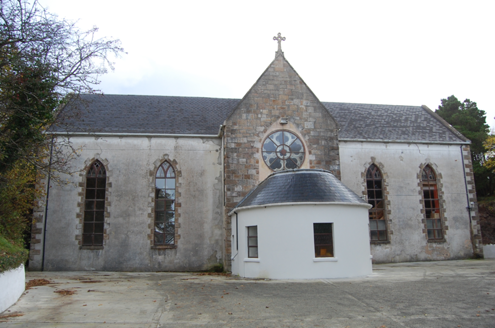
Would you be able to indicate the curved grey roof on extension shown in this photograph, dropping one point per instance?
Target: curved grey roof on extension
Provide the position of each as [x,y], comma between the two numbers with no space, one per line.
[300,186]
[144,114]
[391,123]
[127,114]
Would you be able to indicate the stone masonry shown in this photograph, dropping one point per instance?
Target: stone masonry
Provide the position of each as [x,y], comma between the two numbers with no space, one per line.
[279,93]
[473,207]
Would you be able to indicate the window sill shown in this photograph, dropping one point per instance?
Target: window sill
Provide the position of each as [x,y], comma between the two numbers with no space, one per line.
[164,247]
[256,260]
[325,259]
[91,247]
[436,241]
[379,242]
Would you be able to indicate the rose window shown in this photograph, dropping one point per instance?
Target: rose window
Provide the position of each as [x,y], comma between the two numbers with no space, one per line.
[282,150]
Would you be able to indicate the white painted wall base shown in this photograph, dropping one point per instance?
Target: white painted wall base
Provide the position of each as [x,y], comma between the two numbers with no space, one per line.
[12,284]
[489,251]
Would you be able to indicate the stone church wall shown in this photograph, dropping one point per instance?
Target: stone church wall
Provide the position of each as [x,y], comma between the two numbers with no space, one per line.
[131,164]
[401,165]
[278,93]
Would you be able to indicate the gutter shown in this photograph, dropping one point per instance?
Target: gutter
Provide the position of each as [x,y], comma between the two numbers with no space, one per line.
[235,210]
[119,134]
[220,133]
[407,141]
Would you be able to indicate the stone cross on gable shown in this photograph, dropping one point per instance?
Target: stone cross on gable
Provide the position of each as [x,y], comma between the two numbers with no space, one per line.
[279,38]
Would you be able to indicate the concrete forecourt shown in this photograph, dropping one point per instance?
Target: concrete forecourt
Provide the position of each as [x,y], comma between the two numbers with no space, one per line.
[414,294]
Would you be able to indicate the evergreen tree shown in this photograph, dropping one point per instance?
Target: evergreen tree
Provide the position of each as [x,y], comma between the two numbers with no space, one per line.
[469,120]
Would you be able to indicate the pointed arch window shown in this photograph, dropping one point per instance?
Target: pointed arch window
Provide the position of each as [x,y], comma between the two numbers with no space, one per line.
[164,230]
[374,187]
[94,206]
[431,204]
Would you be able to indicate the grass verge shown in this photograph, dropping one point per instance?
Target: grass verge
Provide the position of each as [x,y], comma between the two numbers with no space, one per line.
[11,255]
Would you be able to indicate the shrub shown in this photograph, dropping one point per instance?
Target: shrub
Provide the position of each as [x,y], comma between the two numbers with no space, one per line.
[216,268]
[11,255]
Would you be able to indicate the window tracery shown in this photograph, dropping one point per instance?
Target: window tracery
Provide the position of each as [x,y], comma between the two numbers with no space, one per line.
[431,204]
[374,188]
[94,205]
[165,194]
[283,150]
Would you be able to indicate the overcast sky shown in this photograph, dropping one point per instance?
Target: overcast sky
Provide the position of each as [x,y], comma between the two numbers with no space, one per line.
[379,52]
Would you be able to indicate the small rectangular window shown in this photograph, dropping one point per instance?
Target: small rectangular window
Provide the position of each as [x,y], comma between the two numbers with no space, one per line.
[323,239]
[253,242]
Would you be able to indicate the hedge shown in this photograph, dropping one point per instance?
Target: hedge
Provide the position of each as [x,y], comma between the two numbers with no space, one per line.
[11,256]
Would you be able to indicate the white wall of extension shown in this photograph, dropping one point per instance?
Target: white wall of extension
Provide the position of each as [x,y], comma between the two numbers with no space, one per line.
[400,164]
[286,242]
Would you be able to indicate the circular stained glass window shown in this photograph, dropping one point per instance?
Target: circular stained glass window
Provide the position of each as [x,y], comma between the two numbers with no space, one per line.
[282,150]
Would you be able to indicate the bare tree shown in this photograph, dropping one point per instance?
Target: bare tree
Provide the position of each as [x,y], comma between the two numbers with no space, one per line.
[45,62]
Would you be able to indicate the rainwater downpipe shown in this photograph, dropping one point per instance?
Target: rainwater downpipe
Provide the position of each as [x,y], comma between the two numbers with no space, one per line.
[236,235]
[468,203]
[46,206]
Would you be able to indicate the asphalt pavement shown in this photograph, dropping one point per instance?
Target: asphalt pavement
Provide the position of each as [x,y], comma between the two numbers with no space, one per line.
[420,294]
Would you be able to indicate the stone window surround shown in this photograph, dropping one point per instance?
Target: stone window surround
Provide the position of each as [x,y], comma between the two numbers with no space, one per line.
[441,201]
[387,212]
[82,194]
[151,203]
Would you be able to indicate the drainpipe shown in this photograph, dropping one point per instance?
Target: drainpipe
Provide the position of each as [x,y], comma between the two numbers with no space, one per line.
[46,206]
[468,205]
[221,134]
[236,236]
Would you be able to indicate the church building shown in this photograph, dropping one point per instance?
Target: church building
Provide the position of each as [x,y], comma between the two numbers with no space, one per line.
[184,183]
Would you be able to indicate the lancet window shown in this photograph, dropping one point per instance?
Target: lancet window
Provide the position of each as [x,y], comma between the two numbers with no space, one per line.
[374,186]
[164,229]
[431,204]
[94,207]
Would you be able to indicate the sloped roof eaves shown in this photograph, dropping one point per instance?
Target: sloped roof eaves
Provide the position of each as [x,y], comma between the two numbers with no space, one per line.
[144,115]
[391,123]
[299,187]
[165,115]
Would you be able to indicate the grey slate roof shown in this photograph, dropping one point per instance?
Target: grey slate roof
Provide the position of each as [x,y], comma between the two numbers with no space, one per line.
[145,114]
[389,122]
[199,115]
[300,186]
